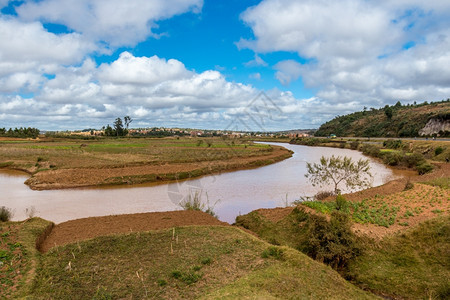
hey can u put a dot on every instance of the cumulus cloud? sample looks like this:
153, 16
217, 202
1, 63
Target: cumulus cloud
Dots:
136, 86
287, 71
357, 48
28, 51
115, 22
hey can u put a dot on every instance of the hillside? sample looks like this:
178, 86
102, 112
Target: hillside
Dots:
209, 262
392, 121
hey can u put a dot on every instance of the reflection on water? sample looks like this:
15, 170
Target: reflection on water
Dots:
232, 193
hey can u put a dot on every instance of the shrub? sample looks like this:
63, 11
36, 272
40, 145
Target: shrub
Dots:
371, 150
424, 168
354, 145
414, 159
392, 158
342, 204
5, 214
331, 242
438, 150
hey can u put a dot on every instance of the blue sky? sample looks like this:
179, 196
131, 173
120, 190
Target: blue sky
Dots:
74, 64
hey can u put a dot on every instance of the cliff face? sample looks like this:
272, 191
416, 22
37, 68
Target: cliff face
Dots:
435, 126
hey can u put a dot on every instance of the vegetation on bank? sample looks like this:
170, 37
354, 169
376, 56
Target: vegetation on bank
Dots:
411, 265
390, 121
210, 262
19, 256
406, 154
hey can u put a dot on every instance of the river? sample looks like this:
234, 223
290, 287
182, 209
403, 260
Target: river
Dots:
230, 194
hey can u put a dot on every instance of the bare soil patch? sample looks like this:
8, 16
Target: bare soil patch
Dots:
88, 228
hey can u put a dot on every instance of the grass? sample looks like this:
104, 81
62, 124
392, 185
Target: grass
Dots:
67, 153
411, 265
18, 256
154, 156
443, 182
393, 209
209, 262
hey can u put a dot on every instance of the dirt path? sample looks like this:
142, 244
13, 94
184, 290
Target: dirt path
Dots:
88, 228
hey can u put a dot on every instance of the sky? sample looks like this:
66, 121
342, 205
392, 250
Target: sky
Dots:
217, 64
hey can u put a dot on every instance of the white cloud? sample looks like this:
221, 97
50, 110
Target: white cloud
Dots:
30, 42
116, 22
355, 47
287, 71
94, 96
257, 61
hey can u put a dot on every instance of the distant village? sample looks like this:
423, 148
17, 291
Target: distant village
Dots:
179, 132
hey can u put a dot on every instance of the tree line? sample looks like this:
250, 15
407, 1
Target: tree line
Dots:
22, 132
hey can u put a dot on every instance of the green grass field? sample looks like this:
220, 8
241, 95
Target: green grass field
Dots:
196, 262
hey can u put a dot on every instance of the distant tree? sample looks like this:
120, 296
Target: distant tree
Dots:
118, 127
340, 170
127, 121
109, 131
388, 112
398, 104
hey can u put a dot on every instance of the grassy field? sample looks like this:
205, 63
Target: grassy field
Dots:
412, 265
210, 262
60, 163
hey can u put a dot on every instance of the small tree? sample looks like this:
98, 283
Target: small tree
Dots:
118, 127
388, 112
340, 170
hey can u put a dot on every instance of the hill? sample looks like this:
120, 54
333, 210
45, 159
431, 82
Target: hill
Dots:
393, 121
210, 262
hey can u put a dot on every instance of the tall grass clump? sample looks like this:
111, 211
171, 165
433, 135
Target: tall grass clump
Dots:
194, 202
5, 214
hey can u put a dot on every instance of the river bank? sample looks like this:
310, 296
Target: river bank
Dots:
66, 164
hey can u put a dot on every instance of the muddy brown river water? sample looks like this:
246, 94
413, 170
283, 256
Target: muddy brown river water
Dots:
230, 194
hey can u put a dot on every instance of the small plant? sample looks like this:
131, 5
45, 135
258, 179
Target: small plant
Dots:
409, 185
403, 224
341, 203
5, 214
206, 261
196, 268
176, 274
274, 252
161, 282
30, 212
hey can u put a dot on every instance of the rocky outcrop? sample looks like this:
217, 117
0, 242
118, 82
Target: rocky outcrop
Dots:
435, 126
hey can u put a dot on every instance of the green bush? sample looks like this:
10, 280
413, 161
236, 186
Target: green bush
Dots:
342, 204
414, 159
371, 150
438, 150
424, 168
393, 158
5, 214
331, 242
